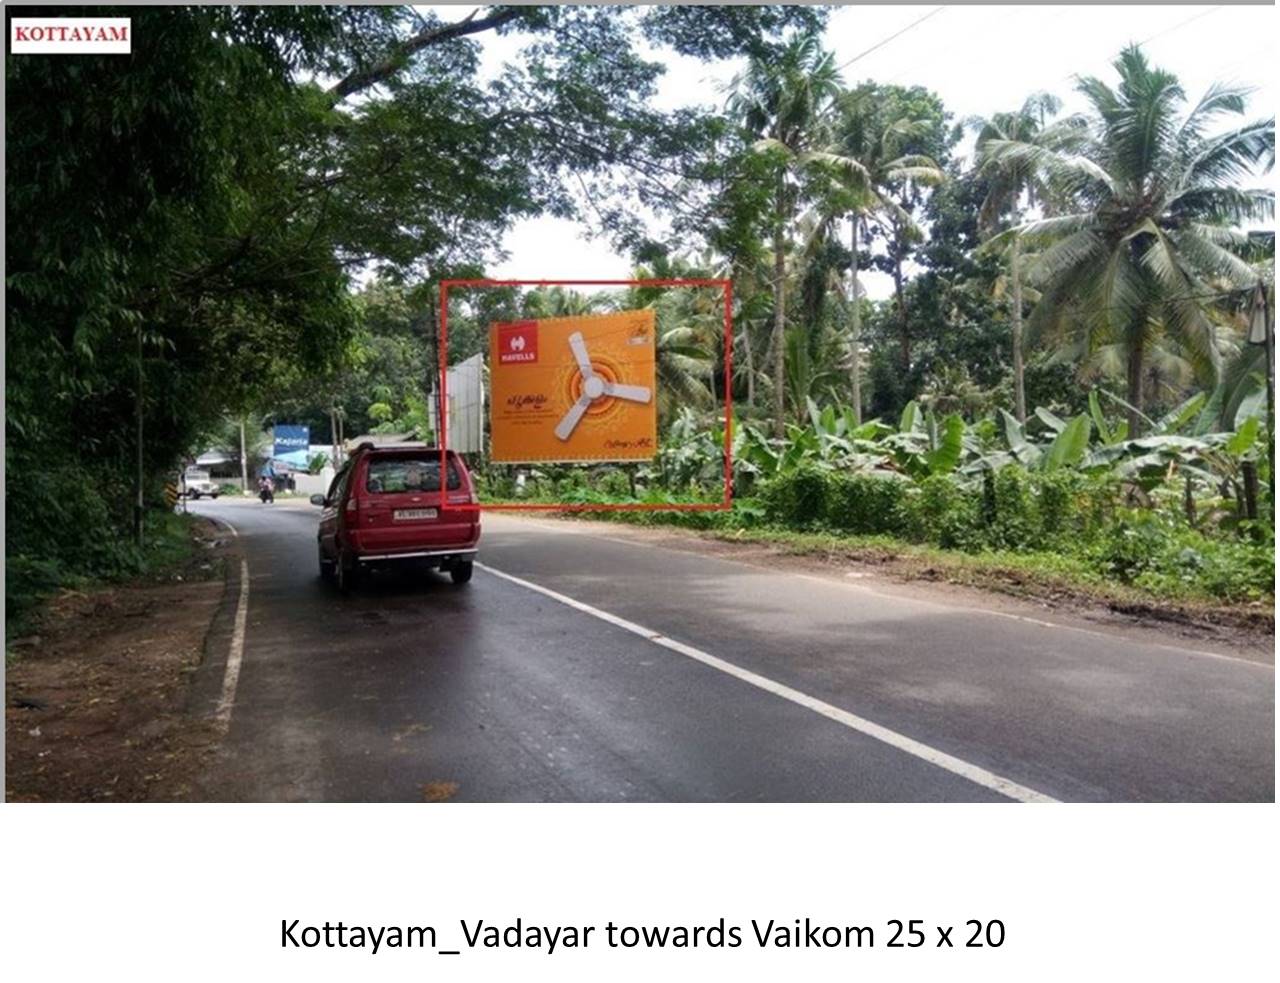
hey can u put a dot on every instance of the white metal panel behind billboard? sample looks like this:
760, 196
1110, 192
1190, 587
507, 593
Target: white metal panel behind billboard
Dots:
465, 411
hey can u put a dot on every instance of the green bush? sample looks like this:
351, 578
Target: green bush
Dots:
944, 514
1057, 494
866, 503
571, 485
615, 483
1010, 517
27, 581
798, 499
1157, 552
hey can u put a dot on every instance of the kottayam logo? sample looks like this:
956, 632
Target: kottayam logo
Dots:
71, 35
518, 342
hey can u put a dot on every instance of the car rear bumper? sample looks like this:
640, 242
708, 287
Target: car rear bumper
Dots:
464, 553
425, 540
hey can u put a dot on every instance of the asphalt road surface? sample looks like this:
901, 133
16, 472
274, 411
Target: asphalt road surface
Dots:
583, 665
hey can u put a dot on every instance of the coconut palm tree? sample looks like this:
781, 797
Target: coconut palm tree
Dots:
689, 325
781, 101
866, 160
1012, 186
557, 301
1156, 214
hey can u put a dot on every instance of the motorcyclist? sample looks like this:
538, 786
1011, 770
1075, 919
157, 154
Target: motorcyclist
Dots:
266, 490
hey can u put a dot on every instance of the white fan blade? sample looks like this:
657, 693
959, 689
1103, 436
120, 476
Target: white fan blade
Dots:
637, 394
580, 354
565, 428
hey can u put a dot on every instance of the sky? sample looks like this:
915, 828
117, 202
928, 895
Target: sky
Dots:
980, 59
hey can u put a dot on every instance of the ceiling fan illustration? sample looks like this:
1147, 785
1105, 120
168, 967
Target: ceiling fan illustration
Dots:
593, 387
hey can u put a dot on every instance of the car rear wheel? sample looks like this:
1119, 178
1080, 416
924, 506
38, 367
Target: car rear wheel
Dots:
326, 566
348, 573
460, 572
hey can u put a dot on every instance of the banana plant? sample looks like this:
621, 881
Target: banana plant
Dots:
1068, 447
1107, 433
923, 445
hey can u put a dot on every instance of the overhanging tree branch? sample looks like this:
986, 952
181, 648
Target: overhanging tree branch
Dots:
426, 38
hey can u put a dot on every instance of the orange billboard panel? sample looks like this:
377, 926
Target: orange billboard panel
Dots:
574, 389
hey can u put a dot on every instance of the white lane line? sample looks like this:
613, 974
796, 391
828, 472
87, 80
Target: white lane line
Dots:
948, 762
231, 677
235, 655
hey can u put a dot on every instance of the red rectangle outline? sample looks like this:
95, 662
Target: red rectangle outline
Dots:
442, 411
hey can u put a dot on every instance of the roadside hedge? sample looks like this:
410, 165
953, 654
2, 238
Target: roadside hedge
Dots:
1022, 511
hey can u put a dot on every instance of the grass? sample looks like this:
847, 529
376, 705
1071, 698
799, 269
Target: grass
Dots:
168, 543
169, 546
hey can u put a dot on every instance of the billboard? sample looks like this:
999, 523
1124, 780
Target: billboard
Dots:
291, 443
573, 389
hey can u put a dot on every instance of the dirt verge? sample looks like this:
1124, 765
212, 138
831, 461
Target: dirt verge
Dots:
95, 702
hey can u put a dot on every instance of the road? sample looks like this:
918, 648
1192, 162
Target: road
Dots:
583, 664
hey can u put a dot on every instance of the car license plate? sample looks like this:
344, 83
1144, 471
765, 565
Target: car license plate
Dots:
400, 514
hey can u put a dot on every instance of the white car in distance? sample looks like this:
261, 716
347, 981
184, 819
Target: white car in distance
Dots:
196, 484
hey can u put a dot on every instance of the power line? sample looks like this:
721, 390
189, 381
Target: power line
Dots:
898, 34
1180, 25
1071, 76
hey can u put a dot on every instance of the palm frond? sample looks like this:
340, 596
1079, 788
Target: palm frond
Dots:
1231, 156
1228, 206
1212, 259
1075, 173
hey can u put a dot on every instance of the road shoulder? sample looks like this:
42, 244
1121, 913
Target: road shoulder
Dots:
98, 698
1243, 632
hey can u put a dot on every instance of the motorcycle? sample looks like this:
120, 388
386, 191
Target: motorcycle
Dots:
266, 492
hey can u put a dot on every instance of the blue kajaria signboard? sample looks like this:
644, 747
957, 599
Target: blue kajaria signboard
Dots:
292, 443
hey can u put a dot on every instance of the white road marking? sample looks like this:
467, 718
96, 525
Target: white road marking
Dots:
940, 759
235, 655
231, 677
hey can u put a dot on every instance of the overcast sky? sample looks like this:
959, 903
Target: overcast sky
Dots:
980, 59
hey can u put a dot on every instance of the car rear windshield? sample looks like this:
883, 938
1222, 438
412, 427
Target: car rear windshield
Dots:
394, 475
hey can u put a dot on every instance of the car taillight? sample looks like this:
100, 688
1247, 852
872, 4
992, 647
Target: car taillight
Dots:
464, 499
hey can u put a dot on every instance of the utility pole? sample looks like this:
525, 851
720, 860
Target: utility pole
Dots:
433, 363
244, 463
855, 324
1262, 332
138, 502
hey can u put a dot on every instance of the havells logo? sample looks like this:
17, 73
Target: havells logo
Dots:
71, 35
518, 342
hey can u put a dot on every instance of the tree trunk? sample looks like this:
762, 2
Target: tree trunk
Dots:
904, 339
779, 312
1134, 395
751, 365
1249, 471
1019, 386
855, 324
138, 502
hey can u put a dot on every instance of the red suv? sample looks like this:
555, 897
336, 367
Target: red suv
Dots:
384, 506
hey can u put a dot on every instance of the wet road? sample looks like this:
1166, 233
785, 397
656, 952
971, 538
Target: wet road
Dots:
582, 665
